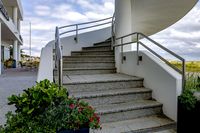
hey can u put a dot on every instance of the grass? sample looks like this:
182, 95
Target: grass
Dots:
191, 66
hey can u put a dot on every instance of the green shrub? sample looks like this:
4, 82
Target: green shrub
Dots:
46, 108
31, 106
187, 98
71, 114
35, 100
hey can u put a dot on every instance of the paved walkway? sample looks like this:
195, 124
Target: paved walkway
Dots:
14, 81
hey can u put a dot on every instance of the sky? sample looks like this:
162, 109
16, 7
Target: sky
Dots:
183, 37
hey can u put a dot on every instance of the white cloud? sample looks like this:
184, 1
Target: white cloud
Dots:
42, 10
45, 18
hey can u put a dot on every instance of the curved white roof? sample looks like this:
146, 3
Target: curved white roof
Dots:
152, 16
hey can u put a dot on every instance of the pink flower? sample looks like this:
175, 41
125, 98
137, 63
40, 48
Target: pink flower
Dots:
71, 106
80, 109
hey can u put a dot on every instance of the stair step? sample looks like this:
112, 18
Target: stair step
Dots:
149, 124
88, 64
100, 82
88, 61
106, 43
81, 71
167, 131
128, 110
95, 98
97, 47
89, 58
95, 52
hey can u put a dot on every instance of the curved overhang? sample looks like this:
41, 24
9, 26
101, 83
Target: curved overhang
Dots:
152, 16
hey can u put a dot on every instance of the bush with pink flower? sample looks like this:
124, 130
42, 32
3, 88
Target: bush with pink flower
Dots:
72, 114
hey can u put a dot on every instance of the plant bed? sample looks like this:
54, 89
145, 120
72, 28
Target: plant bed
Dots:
189, 106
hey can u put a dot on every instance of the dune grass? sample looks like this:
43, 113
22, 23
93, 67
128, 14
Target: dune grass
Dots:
191, 66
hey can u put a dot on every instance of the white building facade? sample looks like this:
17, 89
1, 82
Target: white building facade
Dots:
11, 15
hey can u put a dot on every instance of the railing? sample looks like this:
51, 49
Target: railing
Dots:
113, 31
3, 10
92, 24
58, 58
77, 28
140, 35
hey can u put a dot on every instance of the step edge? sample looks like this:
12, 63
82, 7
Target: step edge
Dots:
96, 95
106, 81
155, 105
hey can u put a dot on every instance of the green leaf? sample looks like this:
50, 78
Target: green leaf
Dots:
30, 111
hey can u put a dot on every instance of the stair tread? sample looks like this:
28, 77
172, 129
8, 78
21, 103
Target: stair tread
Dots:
88, 61
78, 56
136, 125
167, 131
96, 78
90, 68
113, 92
126, 106
97, 46
86, 51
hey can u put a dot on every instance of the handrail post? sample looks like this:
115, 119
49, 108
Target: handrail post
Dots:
183, 75
59, 60
122, 51
112, 31
76, 38
137, 48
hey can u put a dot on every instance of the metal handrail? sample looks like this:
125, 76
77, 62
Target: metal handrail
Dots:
58, 58
85, 23
58, 49
141, 35
113, 30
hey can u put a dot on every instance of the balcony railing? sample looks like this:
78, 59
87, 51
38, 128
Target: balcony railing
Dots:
4, 11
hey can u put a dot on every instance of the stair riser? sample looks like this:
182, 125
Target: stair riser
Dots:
97, 48
86, 72
89, 59
106, 100
92, 53
102, 44
86, 65
132, 114
103, 86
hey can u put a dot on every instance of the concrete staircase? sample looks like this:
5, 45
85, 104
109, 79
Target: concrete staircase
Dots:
123, 103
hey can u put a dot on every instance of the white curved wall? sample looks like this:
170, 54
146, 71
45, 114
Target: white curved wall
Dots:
162, 79
46, 63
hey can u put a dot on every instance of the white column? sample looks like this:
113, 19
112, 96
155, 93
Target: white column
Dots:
123, 20
0, 48
15, 48
19, 53
19, 26
15, 16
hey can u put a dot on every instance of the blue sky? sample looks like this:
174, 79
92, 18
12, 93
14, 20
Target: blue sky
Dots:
182, 37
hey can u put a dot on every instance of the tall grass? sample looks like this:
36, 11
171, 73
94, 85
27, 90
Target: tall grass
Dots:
191, 66
192, 82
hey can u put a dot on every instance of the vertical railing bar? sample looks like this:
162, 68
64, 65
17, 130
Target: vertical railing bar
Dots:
137, 49
59, 60
76, 33
122, 50
183, 75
